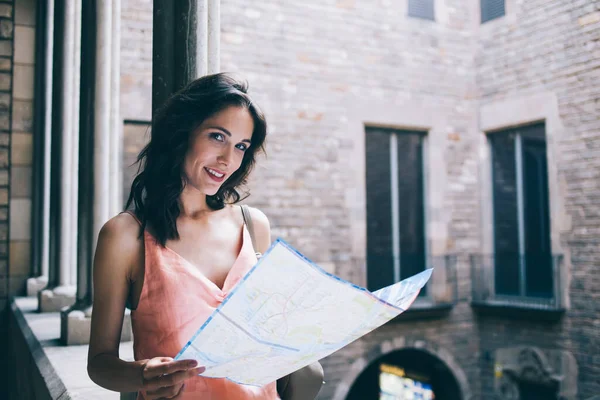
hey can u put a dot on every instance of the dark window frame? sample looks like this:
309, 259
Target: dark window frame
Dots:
387, 277
523, 140
492, 9
422, 9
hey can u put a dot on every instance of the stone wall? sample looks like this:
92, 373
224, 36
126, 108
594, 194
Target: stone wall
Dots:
554, 47
22, 145
7, 21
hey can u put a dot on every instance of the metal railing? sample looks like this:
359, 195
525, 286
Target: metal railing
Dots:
531, 280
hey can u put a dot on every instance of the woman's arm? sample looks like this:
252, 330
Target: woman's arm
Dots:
118, 251
262, 230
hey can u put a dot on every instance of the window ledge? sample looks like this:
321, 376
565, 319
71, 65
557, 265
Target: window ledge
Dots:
425, 309
518, 309
63, 369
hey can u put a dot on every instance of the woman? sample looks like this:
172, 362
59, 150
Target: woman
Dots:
186, 245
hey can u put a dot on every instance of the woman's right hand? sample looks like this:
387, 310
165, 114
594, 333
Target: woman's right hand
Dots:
164, 378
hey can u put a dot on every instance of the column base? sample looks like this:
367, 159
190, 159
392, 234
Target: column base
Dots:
35, 285
75, 327
54, 300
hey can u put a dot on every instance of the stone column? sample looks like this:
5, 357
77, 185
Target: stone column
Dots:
179, 46
214, 36
116, 125
41, 177
74, 170
99, 140
60, 291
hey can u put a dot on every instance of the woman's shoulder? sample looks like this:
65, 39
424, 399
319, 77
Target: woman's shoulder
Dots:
258, 217
261, 228
122, 230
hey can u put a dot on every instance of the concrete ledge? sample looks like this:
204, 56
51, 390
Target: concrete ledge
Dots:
44, 369
35, 285
76, 325
51, 300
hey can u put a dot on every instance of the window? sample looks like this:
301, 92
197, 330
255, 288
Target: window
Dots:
421, 9
522, 259
492, 9
395, 206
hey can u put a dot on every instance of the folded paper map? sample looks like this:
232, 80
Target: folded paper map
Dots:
287, 313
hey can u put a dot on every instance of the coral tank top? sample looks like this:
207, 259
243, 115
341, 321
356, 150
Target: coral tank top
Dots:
176, 300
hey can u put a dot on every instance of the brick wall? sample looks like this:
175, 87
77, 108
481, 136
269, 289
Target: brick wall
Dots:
7, 20
555, 46
21, 146
312, 65
6, 105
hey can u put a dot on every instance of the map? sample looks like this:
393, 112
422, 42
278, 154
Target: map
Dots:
287, 313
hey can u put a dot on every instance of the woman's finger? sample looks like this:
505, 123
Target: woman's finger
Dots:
172, 379
152, 371
165, 392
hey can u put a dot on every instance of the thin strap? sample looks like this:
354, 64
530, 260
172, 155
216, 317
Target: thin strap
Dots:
248, 222
133, 215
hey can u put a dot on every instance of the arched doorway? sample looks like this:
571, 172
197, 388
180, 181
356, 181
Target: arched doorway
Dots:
406, 374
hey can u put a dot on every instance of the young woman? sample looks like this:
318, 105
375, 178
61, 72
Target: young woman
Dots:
183, 248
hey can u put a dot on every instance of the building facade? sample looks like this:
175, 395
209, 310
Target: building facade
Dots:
459, 135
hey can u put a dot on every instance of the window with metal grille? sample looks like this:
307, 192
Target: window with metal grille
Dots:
395, 206
421, 9
492, 9
523, 255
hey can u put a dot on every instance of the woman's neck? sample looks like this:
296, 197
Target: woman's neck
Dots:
193, 204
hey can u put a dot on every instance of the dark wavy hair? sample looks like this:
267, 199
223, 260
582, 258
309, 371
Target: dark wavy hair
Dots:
159, 182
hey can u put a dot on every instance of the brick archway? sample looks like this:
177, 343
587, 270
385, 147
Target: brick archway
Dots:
398, 344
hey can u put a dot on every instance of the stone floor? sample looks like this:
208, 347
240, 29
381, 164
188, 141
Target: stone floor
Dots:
68, 362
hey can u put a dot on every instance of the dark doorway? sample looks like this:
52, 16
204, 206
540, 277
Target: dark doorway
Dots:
419, 369
534, 391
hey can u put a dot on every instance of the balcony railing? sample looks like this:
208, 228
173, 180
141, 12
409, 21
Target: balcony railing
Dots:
527, 281
440, 293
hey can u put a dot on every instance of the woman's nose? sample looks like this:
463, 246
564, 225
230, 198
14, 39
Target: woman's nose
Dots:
225, 156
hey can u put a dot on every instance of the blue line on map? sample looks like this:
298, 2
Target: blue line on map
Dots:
256, 338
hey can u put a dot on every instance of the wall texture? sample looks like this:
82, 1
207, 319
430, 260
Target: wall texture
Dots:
554, 47
7, 21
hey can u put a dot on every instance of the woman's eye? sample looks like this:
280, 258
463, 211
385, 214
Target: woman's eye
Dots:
242, 147
217, 136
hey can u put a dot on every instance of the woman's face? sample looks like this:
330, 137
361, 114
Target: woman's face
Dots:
217, 148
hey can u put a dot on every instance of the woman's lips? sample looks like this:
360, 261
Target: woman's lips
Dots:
215, 174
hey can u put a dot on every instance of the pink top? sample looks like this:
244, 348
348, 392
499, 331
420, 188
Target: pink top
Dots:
176, 300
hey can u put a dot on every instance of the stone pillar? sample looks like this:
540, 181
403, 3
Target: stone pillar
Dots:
99, 141
116, 125
214, 36
74, 170
179, 46
43, 118
60, 291
102, 118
